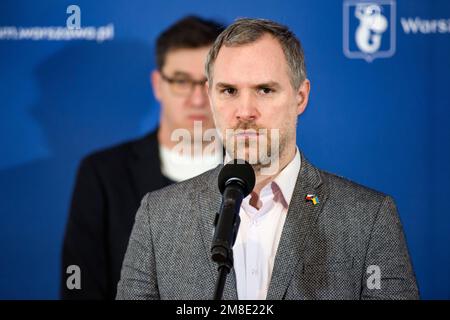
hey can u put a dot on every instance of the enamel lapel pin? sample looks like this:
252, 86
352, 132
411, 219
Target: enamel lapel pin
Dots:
313, 198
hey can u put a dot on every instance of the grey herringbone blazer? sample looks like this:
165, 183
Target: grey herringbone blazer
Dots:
324, 253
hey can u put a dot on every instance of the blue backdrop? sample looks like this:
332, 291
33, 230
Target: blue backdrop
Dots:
380, 119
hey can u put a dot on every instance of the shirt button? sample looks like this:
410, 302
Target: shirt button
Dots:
254, 272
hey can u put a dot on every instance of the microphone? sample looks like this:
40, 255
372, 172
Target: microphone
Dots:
236, 181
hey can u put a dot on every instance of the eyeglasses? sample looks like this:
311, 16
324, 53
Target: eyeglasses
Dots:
182, 85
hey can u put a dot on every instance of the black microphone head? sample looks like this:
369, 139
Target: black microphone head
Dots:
239, 171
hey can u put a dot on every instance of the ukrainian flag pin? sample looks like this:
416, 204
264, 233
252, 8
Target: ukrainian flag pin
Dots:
313, 198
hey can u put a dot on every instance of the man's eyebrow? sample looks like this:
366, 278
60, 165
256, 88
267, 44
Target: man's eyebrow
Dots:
183, 74
224, 85
269, 84
180, 73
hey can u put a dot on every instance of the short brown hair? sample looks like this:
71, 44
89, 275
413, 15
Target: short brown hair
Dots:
245, 31
190, 32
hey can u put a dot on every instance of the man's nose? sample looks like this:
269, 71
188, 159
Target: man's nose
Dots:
247, 108
199, 98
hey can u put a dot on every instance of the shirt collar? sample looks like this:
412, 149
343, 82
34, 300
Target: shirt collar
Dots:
287, 177
282, 186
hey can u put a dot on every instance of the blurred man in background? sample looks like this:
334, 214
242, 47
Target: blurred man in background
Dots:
111, 183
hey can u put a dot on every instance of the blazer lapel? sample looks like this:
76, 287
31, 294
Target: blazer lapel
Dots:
209, 201
301, 216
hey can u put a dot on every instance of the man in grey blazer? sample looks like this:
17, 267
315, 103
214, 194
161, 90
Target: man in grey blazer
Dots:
304, 233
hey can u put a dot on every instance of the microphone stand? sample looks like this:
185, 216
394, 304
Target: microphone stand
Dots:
224, 270
226, 265
222, 250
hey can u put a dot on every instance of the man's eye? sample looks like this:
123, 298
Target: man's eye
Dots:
265, 90
229, 91
181, 82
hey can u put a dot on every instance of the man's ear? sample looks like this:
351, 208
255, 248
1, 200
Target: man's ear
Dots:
303, 96
155, 79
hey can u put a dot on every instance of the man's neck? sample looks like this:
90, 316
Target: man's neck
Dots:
263, 180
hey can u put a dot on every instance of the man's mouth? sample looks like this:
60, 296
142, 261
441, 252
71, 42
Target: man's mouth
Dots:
197, 117
250, 134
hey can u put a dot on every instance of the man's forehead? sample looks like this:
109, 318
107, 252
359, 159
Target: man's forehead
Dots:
188, 60
267, 45
180, 52
257, 62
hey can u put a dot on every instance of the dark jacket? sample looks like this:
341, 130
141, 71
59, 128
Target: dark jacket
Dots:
109, 187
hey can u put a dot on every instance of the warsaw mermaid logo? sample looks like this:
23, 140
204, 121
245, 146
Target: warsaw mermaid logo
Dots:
369, 29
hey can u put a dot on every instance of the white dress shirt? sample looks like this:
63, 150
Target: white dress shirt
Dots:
260, 232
